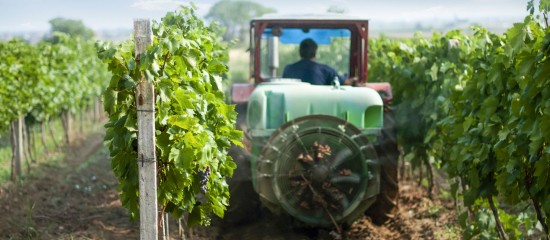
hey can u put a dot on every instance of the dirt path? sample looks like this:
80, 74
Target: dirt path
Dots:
78, 199
418, 217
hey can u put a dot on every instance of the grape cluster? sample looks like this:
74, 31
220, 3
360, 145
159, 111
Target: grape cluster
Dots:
203, 178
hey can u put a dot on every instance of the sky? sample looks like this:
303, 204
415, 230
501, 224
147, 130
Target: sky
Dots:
33, 15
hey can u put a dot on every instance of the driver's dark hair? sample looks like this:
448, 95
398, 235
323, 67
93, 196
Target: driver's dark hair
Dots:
308, 48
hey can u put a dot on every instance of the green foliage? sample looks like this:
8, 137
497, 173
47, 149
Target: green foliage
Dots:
19, 75
40, 81
69, 60
194, 126
478, 107
503, 118
235, 16
482, 226
423, 73
520, 224
73, 28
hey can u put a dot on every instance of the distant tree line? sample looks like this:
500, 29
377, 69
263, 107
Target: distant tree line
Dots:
235, 16
72, 27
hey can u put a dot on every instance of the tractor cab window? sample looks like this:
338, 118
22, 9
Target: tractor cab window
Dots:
280, 47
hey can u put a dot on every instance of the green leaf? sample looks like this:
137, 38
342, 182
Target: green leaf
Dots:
217, 83
148, 76
526, 65
131, 122
186, 158
467, 123
131, 64
190, 62
433, 72
542, 71
128, 82
228, 168
542, 171
218, 209
167, 44
517, 35
541, 168
174, 154
155, 68
516, 105
182, 121
109, 100
489, 106
195, 216
536, 143
217, 67
184, 99
192, 140
163, 144
145, 61
503, 134
236, 137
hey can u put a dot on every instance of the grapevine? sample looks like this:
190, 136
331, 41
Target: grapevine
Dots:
19, 75
39, 82
194, 126
478, 109
422, 73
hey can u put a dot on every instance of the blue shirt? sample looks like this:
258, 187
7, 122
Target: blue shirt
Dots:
311, 72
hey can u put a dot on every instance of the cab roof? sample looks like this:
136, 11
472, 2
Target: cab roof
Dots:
315, 17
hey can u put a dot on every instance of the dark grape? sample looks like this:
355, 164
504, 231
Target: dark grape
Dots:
203, 178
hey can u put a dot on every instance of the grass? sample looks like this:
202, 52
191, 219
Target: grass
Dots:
29, 223
5, 158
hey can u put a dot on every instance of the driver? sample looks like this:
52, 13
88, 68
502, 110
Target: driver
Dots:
308, 70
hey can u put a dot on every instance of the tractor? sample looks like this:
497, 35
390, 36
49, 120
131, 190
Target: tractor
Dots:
320, 154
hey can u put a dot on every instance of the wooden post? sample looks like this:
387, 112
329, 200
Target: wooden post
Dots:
52, 135
30, 146
43, 136
17, 146
165, 227
66, 122
146, 139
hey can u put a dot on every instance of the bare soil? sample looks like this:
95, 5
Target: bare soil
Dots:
78, 199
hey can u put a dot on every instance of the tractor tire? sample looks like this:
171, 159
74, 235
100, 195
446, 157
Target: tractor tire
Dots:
386, 203
244, 202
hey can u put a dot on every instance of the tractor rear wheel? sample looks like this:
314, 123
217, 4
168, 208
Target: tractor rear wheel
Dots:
388, 153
